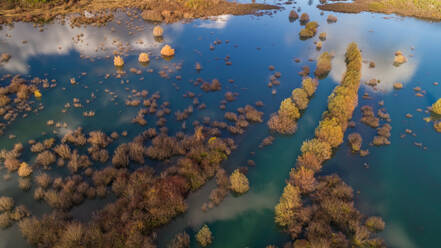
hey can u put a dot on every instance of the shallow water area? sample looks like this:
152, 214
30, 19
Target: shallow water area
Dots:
401, 183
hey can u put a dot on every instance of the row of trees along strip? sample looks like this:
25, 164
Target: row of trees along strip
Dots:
319, 211
290, 110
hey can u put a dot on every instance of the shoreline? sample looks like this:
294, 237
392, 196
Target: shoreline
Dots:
101, 11
405, 9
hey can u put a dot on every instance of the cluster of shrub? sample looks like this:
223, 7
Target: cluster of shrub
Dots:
309, 31
320, 212
324, 65
15, 99
285, 120
145, 200
383, 132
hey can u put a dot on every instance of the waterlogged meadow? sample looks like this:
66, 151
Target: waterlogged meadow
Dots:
290, 128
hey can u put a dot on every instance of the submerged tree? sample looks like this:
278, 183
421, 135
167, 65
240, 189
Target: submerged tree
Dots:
239, 182
204, 236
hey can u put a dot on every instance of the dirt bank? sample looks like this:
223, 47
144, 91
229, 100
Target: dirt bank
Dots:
152, 10
423, 9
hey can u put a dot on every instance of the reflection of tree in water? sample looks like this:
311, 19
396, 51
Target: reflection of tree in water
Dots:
62, 39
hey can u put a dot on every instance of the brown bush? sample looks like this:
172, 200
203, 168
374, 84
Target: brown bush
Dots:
76, 162
368, 117
303, 178
324, 65
43, 179
380, 140
24, 184
45, 158
204, 236
300, 97
5, 220
309, 85
121, 156
282, 124
164, 147
98, 138
309, 160
384, 130
230, 116
6, 203
63, 151
25, 170
375, 224
37, 147
181, 240
239, 182
288, 108
48, 143
321, 150
4, 100
75, 137
304, 18
136, 152
252, 115
289, 202
57, 200
38, 193
12, 164
330, 131
355, 140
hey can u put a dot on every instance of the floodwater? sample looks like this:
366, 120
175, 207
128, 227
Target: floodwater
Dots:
402, 183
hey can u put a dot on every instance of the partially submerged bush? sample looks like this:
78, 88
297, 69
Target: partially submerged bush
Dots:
25, 170
309, 160
289, 109
98, 138
63, 150
309, 31
204, 236
136, 152
330, 131
118, 61
181, 240
309, 85
239, 182
24, 184
12, 164
300, 97
5, 220
436, 107
167, 51
143, 58
6, 203
43, 180
355, 140
303, 178
324, 65
321, 150
375, 224
120, 156
45, 158
37, 147
288, 204
304, 18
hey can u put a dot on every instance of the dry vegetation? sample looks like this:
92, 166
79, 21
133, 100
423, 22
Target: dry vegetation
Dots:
424, 9
285, 120
153, 10
320, 212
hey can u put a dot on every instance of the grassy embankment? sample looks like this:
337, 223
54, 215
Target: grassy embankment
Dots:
424, 9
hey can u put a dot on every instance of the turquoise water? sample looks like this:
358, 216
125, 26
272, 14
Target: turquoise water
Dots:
402, 183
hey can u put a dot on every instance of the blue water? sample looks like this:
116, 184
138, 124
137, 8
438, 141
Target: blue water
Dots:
402, 183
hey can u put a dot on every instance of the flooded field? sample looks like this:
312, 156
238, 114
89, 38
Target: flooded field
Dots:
137, 153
